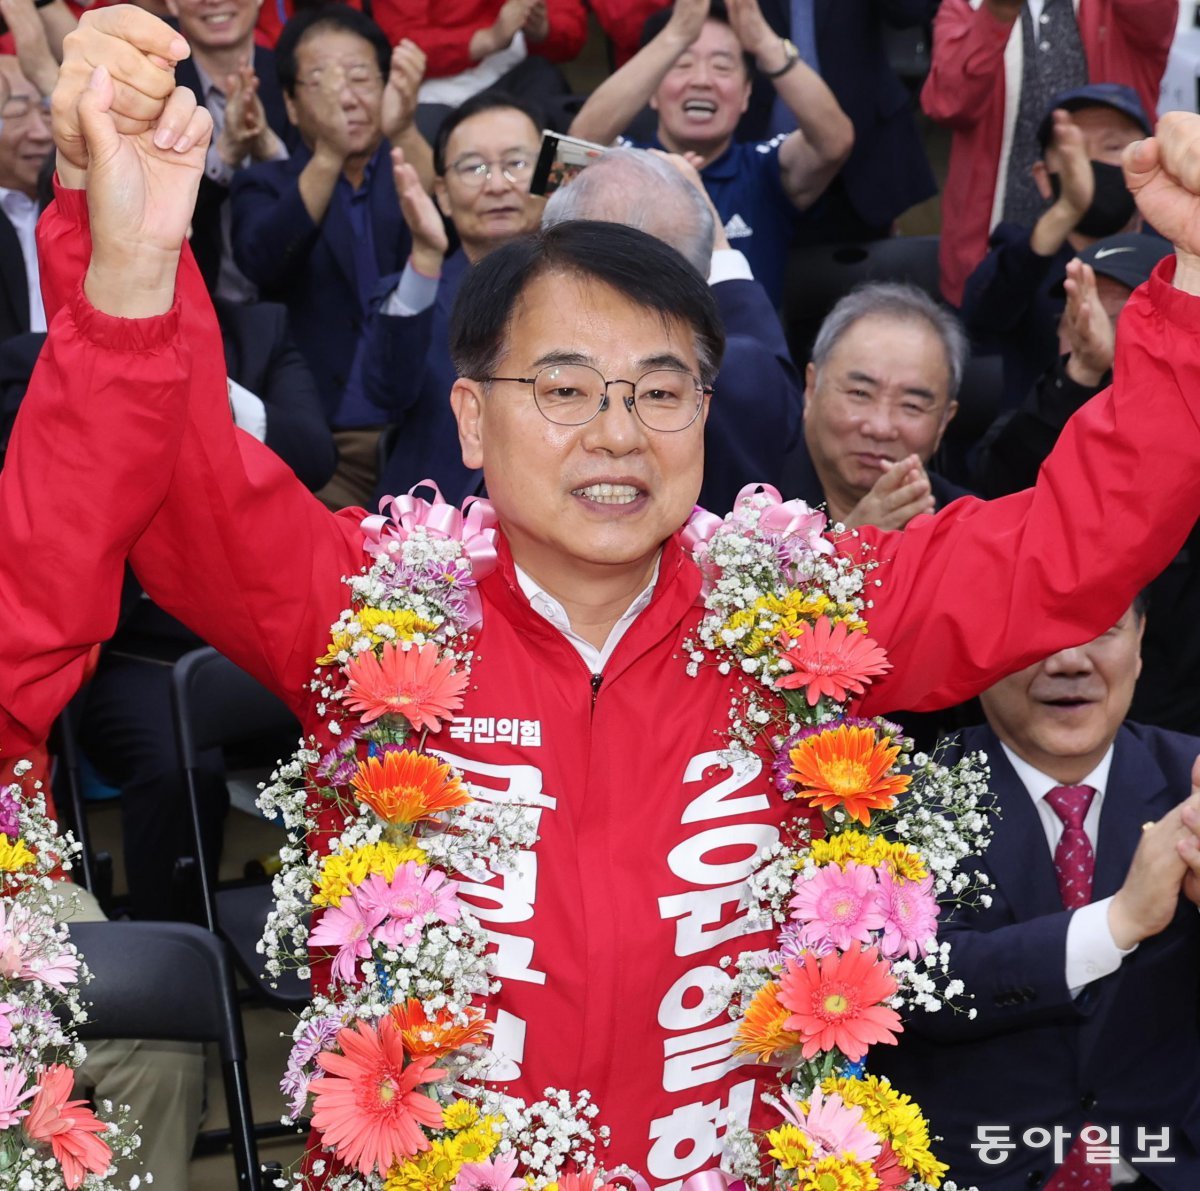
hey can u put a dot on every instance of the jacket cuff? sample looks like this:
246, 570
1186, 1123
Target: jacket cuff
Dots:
123, 334
71, 203
1178, 308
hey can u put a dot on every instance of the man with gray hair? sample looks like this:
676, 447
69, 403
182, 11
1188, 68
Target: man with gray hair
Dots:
880, 391
755, 416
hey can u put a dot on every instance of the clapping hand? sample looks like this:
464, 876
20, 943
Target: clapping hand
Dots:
403, 83
901, 493
1089, 332
429, 241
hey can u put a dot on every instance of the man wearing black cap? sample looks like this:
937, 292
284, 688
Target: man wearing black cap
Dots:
1013, 300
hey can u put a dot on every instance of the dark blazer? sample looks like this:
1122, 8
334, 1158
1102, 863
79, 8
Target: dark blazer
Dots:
887, 171
1126, 1053
757, 403
206, 222
261, 356
407, 370
14, 284
308, 266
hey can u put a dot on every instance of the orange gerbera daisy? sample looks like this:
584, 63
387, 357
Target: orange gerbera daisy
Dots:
68, 1126
408, 682
847, 766
437, 1035
761, 1031
836, 1001
366, 1106
407, 786
830, 660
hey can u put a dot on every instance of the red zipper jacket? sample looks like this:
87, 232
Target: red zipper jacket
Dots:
611, 932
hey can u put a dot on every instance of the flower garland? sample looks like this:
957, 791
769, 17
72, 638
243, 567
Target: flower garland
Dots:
391, 1060
47, 1140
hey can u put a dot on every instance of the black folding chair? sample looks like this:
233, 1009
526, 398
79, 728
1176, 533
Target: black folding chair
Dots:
218, 705
172, 980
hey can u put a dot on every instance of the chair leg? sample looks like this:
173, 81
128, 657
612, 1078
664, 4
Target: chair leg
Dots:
241, 1121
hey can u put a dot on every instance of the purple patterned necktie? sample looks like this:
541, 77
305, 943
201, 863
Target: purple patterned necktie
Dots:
1074, 860
1074, 864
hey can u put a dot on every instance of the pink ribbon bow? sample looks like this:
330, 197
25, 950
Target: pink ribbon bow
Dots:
474, 526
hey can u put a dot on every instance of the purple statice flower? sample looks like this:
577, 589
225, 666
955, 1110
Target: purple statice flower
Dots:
339, 765
10, 823
316, 1036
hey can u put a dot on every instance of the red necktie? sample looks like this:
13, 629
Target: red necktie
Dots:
1075, 864
1074, 860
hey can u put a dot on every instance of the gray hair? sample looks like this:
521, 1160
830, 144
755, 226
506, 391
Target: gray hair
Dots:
640, 190
903, 302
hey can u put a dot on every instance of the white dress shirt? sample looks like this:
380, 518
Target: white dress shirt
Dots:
1091, 949
22, 213
547, 607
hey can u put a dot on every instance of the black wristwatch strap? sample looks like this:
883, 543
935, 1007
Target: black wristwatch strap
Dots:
793, 56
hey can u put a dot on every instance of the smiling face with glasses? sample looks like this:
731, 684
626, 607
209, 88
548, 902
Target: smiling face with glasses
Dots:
589, 473
25, 137
485, 189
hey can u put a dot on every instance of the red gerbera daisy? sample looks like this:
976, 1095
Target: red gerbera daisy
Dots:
366, 1107
848, 767
408, 682
836, 1001
69, 1126
407, 786
831, 660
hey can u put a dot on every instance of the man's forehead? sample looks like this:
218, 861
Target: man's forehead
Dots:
477, 133
335, 44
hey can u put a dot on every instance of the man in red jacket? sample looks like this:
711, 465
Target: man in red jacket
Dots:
611, 931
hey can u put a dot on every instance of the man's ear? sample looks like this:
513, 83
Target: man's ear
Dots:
466, 399
289, 104
951, 410
810, 385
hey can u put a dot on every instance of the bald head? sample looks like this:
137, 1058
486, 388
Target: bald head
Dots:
25, 138
640, 190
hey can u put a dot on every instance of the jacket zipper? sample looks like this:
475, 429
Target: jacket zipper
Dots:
597, 679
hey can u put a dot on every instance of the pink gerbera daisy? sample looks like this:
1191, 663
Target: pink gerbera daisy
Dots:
348, 927
910, 914
367, 1106
14, 1091
835, 1128
415, 895
829, 659
838, 906
408, 682
69, 1126
499, 1175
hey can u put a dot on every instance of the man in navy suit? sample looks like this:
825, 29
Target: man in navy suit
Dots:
1085, 968
236, 81
319, 230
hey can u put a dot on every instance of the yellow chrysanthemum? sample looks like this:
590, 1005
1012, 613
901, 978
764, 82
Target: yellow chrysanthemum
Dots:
14, 856
872, 851
400, 624
477, 1143
462, 1114
792, 1148
434, 1170
838, 1174
895, 1116
341, 871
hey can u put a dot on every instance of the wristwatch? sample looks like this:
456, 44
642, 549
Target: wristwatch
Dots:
791, 56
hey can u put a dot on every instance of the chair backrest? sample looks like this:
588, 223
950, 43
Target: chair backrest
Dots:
172, 980
218, 705
160, 980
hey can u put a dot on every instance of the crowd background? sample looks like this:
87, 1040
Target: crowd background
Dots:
959, 160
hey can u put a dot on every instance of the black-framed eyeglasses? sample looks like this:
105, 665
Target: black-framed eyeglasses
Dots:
665, 399
474, 171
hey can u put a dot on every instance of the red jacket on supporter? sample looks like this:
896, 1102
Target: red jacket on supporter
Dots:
623, 20
974, 86
611, 933
443, 29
